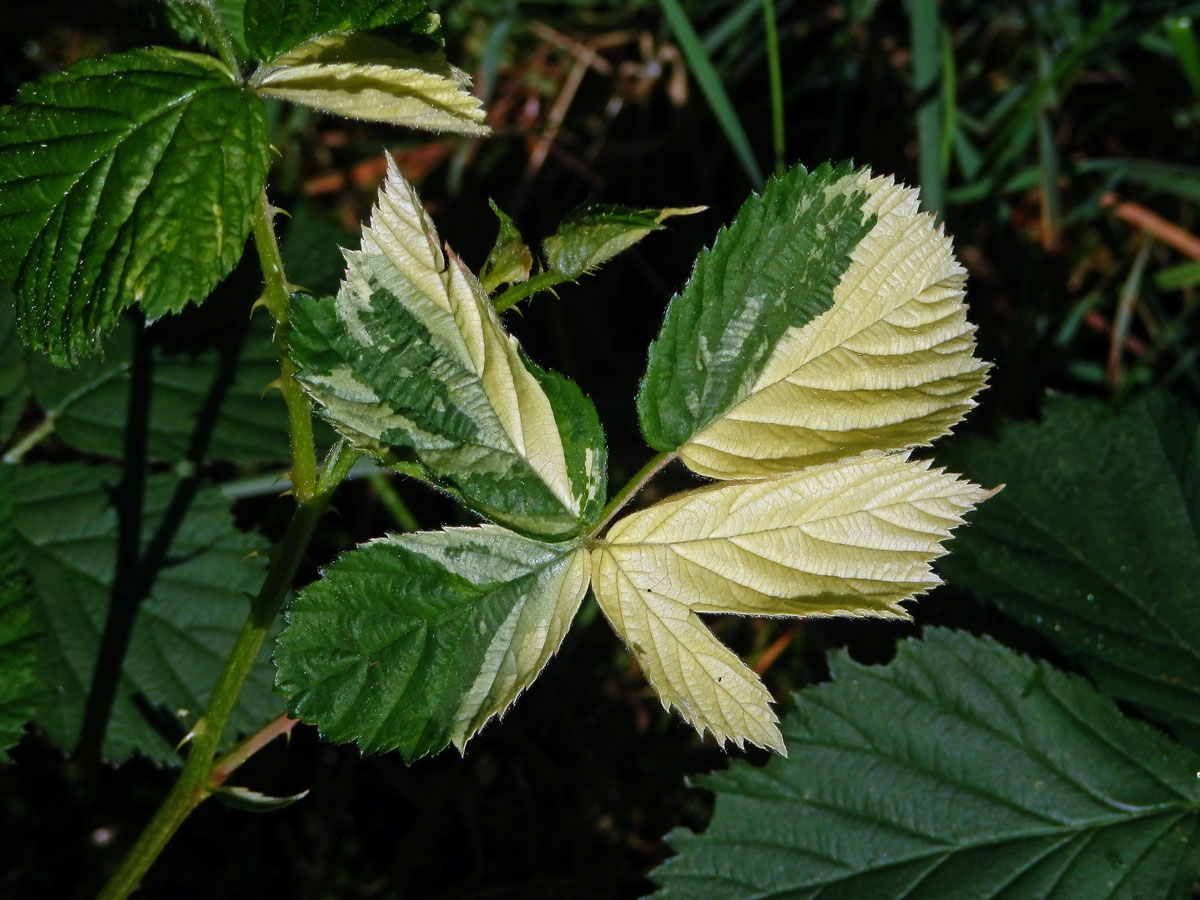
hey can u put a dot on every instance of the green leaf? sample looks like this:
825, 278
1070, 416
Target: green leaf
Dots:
92, 218
825, 321
14, 368
1179, 276
415, 641
959, 770
593, 235
411, 363
1094, 542
246, 800
90, 404
510, 259
21, 690
853, 538
363, 77
68, 527
273, 26
191, 23
312, 249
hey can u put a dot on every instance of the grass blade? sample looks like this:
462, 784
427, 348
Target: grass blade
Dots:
925, 34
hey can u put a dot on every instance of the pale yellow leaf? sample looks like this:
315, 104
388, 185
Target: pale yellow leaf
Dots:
855, 537
364, 77
687, 666
891, 364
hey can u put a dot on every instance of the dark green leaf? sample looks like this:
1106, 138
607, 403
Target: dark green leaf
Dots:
1094, 542
415, 641
14, 368
593, 235
92, 217
273, 26
222, 390
312, 249
68, 528
771, 269
191, 24
20, 687
510, 259
960, 770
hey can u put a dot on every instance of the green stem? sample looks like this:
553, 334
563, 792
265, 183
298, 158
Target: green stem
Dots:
640, 479
36, 435
776, 76
543, 281
219, 34
392, 500
276, 298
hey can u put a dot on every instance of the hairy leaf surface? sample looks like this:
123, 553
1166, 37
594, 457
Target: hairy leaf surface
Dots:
191, 24
364, 77
593, 235
1106, 567
960, 770
92, 219
411, 362
14, 368
271, 27
68, 528
510, 258
849, 538
826, 320
414, 641
21, 689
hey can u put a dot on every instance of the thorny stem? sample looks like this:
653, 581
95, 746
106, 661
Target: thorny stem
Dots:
640, 479
227, 764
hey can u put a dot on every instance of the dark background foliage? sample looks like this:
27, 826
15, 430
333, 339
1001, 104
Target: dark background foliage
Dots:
570, 795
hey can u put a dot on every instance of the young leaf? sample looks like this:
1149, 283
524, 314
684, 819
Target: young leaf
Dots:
364, 77
20, 687
412, 363
958, 770
826, 320
414, 641
1106, 567
849, 538
273, 26
510, 259
68, 527
593, 235
91, 216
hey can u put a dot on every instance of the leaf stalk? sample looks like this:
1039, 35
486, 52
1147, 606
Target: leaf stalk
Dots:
639, 480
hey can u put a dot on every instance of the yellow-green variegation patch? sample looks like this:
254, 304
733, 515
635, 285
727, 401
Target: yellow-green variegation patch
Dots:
365, 77
411, 361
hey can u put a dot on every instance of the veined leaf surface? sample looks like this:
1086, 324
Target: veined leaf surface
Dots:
826, 320
593, 235
92, 219
364, 77
411, 362
850, 538
21, 688
414, 641
959, 770
272, 27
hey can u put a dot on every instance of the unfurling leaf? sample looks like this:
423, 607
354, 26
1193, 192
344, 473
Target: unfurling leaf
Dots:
958, 770
593, 235
828, 319
412, 642
364, 77
824, 331
92, 219
411, 362
510, 259
847, 538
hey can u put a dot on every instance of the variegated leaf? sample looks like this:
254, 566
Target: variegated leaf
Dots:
411, 362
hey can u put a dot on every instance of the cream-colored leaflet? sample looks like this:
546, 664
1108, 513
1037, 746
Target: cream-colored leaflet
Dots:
854, 538
891, 364
429, 366
523, 644
687, 666
364, 77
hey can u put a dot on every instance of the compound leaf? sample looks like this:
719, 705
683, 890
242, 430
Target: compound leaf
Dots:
848, 538
826, 320
364, 77
1106, 567
593, 235
414, 641
411, 362
67, 526
272, 26
959, 770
